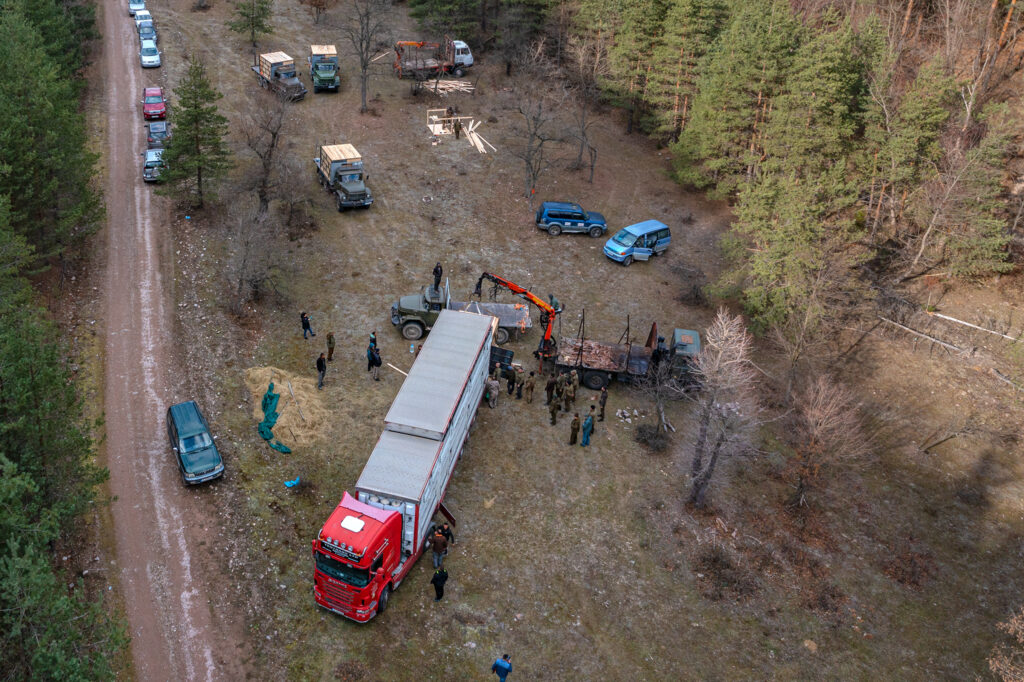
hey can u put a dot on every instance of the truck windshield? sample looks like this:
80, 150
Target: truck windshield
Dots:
624, 238
356, 577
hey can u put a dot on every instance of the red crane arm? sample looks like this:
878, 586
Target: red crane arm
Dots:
547, 312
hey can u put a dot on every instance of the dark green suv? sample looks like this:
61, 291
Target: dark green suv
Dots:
192, 443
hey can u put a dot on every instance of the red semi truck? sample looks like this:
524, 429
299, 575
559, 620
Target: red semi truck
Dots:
370, 541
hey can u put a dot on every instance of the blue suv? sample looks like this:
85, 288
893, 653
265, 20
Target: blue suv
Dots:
557, 217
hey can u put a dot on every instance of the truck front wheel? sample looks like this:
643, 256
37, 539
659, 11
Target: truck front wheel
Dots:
412, 330
595, 380
382, 602
501, 336
459, 72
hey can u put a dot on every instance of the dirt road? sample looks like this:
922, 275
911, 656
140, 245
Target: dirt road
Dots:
158, 523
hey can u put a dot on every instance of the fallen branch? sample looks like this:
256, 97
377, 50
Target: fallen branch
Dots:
299, 407
1005, 379
973, 326
905, 328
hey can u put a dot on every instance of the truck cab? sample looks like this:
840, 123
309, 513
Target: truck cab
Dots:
683, 351
276, 70
462, 59
417, 313
355, 554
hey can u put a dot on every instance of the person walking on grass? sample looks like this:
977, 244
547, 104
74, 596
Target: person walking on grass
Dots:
330, 346
553, 411
588, 428
574, 428
321, 370
438, 581
376, 362
306, 326
502, 667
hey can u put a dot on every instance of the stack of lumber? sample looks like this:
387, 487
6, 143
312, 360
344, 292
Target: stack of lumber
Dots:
476, 139
444, 87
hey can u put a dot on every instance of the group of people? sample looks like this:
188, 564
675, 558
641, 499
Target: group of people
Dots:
373, 361
440, 538
561, 389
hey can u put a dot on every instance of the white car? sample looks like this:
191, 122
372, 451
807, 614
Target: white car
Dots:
142, 15
149, 56
135, 5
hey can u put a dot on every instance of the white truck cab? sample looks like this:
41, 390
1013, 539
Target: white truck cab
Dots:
463, 55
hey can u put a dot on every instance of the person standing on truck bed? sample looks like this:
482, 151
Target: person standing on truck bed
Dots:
437, 277
306, 328
574, 428
438, 547
438, 581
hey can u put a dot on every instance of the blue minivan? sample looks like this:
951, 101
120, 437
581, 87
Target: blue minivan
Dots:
638, 242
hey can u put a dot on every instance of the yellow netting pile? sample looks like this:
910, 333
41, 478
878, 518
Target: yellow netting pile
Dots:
291, 429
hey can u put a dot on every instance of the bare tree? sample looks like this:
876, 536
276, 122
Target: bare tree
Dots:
366, 24
263, 129
318, 7
727, 407
536, 131
828, 432
587, 62
253, 260
1007, 660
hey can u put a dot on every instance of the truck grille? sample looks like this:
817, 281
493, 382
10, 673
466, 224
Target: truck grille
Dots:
337, 596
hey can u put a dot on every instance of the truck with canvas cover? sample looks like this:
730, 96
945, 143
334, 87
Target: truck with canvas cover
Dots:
339, 167
323, 67
598, 361
372, 539
423, 60
417, 313
276, 71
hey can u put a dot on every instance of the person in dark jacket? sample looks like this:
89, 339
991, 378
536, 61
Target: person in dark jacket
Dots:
306, 328
502, 667
376, 362
321, 369
330, 346
574, 428
438, 581
438, 547
437, 277
446, 531
549, 389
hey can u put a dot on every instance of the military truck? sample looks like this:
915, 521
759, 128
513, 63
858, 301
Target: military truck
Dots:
276, 71
323, 67
339, 167
414, 315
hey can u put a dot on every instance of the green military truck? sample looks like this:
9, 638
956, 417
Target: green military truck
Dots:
276, 71
414, 315
323, 67
339, 167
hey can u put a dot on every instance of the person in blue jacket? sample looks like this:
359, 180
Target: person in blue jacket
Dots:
502, 667
588, 427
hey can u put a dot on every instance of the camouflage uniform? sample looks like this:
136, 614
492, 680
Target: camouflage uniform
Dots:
520, 380
528, 385
553, 410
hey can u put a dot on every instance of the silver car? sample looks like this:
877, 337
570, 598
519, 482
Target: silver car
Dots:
134, 6
149, 56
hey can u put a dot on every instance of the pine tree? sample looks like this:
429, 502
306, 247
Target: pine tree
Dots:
739, 76
196, 154
634, 25
689, 29
252, 18
455, 18
48, 171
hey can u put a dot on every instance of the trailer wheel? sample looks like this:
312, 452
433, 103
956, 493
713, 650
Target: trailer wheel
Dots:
595, 380
382, 602
501, 336
412, 330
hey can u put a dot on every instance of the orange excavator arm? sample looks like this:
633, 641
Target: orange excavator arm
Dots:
546, 349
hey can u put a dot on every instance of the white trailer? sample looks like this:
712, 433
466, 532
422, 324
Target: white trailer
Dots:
427, 426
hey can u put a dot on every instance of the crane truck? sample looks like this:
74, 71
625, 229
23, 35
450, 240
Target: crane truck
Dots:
372, 539
546, 348
416, 314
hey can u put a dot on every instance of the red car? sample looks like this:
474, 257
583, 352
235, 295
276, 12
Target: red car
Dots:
153, 105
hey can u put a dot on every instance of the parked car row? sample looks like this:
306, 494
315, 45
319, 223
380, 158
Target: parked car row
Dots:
149, 54
635, 242
154, 110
